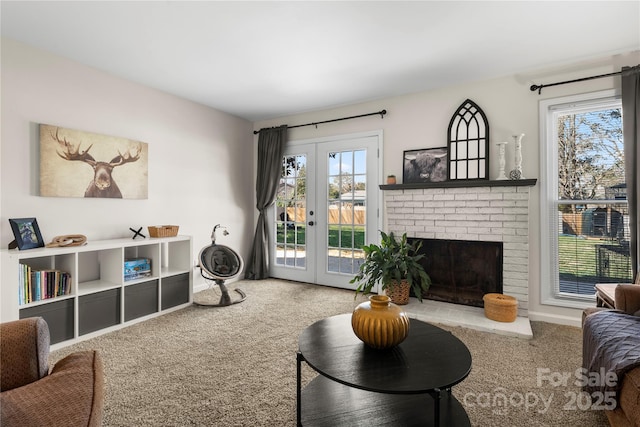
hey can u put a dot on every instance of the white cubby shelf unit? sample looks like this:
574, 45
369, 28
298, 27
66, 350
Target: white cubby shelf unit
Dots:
100, 299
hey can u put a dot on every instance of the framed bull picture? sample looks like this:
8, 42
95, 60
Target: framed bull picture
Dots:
425, 165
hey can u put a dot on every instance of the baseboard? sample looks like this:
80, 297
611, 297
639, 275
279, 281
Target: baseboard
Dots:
203, 285
555, 318
200, 287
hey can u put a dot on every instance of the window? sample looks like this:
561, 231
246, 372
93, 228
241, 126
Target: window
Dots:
584, 214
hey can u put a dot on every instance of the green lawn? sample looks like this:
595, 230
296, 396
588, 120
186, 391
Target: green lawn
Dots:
578, 258
339, 237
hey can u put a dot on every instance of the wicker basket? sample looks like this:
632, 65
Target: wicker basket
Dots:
163, 230
399, 292
500, 307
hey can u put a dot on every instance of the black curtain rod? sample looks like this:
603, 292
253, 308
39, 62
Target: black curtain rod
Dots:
533, 88
381, 112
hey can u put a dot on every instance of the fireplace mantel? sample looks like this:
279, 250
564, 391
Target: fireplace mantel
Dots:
462, 183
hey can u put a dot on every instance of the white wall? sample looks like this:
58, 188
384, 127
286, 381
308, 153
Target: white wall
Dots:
420, 120
198, 156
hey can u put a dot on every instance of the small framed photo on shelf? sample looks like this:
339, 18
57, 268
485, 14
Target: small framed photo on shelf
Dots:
425, 165
26, 232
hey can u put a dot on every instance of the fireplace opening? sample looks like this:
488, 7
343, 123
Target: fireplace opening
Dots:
461, 271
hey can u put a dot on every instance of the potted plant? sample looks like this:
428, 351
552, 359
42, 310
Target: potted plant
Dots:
391, 179
395, 265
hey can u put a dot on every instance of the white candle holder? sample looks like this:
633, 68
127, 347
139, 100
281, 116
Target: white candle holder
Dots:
501, 151
516, 173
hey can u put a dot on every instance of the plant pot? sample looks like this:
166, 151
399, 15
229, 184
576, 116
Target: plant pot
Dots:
399, 292
379, 323
391, 179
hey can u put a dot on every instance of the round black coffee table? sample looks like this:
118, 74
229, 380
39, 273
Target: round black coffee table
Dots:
361, 386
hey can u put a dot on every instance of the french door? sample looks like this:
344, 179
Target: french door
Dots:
326, 208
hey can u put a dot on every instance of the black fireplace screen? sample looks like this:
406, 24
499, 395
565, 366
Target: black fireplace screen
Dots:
462, 271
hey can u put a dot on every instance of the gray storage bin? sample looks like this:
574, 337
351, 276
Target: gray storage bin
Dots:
175, 290
98, 311
140, 299
58, 315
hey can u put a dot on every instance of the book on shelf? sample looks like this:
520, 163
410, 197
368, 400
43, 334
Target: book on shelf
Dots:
38, 285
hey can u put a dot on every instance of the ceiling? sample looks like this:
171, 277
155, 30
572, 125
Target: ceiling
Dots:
265, 59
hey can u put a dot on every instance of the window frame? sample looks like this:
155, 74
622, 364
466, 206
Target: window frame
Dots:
549, 272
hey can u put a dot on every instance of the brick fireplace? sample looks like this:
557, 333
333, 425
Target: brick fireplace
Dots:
497, 212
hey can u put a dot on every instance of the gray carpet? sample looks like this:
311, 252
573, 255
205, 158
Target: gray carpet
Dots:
236, 366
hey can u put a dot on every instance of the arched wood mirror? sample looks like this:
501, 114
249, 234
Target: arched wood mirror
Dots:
468, 143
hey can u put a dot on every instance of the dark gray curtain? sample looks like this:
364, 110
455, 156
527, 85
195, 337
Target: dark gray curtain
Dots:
631, 132
271, 143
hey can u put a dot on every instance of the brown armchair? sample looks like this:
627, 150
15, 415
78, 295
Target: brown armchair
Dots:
611, 341
628, 299
72, 394
624, 297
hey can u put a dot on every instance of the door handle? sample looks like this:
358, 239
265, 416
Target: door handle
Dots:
311, 223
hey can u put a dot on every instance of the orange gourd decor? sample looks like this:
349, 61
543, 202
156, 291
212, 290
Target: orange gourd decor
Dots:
379, 323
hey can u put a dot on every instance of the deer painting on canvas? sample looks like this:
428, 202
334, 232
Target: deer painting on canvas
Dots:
82, 164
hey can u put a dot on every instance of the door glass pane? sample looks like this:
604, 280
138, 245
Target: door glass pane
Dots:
360, 162
346, 163
290, 206
346, 210
334, 164
280, 235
